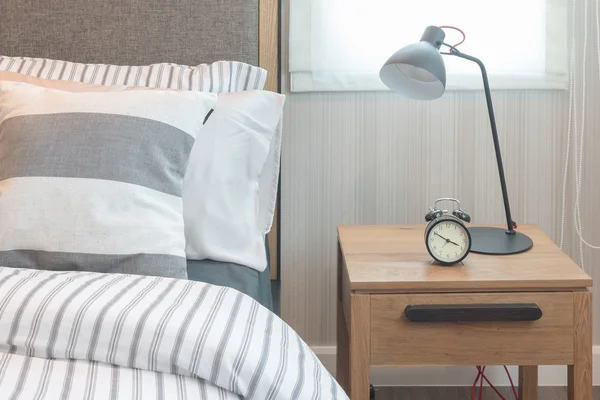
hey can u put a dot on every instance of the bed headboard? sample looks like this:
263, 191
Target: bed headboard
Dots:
139, 32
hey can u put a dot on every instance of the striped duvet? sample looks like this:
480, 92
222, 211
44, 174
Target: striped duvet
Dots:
80, 335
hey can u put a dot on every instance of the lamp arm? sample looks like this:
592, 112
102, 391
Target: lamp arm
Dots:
488, 96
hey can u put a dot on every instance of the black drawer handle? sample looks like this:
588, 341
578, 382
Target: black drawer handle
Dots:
473, 312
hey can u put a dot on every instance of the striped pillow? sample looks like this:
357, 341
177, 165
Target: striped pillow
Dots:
218, 77
221, 76
93, 181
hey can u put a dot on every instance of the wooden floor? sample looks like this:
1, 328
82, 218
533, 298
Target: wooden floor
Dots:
464, 393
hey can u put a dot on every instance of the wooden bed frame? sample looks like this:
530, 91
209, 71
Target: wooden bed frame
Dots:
269, 59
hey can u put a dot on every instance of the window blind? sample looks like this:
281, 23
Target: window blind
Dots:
340, 45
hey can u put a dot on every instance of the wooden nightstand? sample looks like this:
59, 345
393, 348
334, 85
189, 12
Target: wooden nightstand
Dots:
384, 269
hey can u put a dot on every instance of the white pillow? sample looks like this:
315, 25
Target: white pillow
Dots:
93, 181
220, 76
221, 197
221, 185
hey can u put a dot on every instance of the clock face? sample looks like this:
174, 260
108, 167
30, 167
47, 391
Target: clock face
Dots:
448, 241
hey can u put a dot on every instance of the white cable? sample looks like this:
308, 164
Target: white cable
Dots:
578, 224
576, 126
579, 155
570, 122
576, 165
598, 30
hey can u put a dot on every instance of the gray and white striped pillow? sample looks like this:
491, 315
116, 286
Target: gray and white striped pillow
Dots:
218, 77
93, 181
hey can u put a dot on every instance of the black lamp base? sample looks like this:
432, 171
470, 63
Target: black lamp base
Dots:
495, 241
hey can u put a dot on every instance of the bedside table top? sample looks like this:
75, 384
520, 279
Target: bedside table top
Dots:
393, 258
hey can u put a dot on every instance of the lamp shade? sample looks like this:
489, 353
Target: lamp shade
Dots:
417, 70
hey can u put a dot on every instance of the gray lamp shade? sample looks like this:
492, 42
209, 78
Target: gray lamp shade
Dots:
417, 70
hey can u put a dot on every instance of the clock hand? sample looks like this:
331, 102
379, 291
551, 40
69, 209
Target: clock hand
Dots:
456, 244
441, 236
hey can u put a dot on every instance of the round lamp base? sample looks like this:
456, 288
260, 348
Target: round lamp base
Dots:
495, 241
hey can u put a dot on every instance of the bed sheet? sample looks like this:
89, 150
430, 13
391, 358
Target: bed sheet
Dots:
239, 277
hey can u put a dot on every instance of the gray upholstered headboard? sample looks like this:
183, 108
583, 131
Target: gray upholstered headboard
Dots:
140, 32
131, 32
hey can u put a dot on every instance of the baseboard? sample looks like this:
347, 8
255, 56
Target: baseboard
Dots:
454, 376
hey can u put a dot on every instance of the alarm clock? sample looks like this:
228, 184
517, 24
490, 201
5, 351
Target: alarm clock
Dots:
447, 238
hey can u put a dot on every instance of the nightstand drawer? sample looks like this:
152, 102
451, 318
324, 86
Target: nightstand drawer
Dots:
462, 340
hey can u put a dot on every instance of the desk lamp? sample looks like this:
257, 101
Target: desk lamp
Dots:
418, 71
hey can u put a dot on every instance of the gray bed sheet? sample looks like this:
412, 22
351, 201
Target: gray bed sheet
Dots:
247, 280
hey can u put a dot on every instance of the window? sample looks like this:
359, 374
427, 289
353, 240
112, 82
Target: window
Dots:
339, 45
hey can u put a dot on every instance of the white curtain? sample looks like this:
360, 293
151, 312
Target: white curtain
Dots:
339, 45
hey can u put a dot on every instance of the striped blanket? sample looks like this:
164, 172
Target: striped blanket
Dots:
80, 335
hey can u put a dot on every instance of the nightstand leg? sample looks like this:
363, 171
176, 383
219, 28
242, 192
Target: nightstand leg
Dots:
343, 335
360, 347
580, 373
343, 350
528, 382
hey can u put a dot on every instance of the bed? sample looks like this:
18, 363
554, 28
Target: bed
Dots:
110, 334
149, 32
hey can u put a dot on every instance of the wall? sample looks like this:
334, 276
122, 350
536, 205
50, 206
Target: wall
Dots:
379, 158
